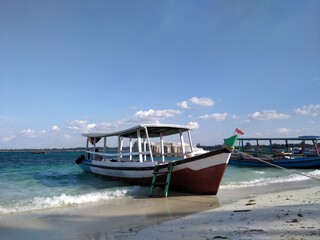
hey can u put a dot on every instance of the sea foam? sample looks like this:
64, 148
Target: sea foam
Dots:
65, 200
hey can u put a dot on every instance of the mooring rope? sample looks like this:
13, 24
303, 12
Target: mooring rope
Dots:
277, 166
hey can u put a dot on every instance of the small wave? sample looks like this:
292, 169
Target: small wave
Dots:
63, 200
267, 181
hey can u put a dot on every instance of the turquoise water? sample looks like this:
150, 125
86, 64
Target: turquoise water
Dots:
41, 181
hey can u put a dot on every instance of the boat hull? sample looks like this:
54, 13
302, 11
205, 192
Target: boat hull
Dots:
199, 174
303, 163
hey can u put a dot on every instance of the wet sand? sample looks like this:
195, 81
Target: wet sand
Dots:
105, 220
282, 211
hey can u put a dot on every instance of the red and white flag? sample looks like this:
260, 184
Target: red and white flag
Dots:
238, 131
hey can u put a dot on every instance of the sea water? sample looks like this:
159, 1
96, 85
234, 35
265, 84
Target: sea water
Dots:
30, 182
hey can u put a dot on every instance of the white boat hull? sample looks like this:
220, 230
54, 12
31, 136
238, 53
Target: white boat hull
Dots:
199, 174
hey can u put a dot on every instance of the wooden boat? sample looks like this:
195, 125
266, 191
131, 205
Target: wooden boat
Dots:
300, 152
136, 158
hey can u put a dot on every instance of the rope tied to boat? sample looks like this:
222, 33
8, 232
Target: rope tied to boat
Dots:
277, 166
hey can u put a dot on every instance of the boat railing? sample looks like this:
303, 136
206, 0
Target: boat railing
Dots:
256, 152
175, 154
117, 154
268, 151
275, 154
130, 155
114, 155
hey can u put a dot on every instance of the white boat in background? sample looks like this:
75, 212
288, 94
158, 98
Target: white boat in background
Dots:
134, 161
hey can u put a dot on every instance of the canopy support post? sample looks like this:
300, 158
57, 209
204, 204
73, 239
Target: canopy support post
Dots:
139, 145
162, 147
190, 141
149, 143
182, 144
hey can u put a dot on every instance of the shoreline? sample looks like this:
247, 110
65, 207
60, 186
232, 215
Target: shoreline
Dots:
233, 211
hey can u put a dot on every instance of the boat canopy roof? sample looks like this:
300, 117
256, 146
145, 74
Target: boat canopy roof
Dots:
300, 138
153, 130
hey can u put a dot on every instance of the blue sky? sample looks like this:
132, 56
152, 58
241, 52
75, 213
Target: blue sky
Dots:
68, 67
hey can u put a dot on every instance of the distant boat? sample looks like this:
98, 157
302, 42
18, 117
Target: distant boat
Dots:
300, 152
138, 164
39, 152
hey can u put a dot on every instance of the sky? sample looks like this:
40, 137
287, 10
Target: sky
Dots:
71, 67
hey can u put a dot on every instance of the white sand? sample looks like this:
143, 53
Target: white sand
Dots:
232, 214
293, 215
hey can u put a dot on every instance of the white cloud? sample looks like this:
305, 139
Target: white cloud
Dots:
193, 125
29, 133
203, 102
156, 114
214, 116
183, 105
80, 125
91, 126
195, 101
311, 110
77, 124
267, 115
55, 128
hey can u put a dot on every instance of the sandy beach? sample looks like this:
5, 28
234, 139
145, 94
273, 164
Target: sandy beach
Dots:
286, 211
291, 215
